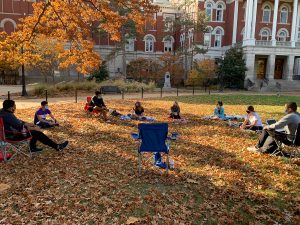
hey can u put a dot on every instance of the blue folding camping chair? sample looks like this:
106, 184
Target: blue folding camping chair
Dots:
153, 138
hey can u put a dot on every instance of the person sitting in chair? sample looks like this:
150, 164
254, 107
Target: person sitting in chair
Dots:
175, 111
252, 121
289, 122
98, 104
13, 125
40, 117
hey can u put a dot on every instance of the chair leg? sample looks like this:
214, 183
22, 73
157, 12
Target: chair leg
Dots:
167, 169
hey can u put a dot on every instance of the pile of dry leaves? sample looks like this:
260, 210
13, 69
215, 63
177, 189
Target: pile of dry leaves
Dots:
215, 181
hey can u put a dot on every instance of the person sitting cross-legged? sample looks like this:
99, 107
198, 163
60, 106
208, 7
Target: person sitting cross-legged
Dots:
175, 111
40, 117
289, 122
98, 104
12, 124
252, 121
219, 112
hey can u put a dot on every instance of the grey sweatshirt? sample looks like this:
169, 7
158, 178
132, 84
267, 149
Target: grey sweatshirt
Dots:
289, 122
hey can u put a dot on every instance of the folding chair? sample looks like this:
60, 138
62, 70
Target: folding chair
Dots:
280, 145
18, 146
153, 138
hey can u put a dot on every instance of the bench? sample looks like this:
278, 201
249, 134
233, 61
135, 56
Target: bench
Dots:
110, 89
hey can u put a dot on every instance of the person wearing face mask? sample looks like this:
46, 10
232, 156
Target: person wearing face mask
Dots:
12, 125
252, 121
289, 123
40, 117
98, 104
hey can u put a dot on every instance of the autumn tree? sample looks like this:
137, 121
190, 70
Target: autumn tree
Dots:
203, 73
70, 23
191, 23
171, 63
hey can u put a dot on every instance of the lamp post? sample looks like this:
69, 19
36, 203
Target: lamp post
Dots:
24, 92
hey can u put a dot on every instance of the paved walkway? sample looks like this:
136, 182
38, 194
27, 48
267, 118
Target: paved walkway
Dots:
34, 102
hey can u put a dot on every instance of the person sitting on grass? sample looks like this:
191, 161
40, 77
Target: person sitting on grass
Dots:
40, 117
138, 111
175, 111
98, 104
252, 121
289, 122
12, 125
219, 113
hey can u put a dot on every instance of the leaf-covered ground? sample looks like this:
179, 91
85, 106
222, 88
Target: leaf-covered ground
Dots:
215, 181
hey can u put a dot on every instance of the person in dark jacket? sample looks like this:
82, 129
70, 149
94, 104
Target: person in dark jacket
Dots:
138, 111
98, 104
12, 125
175, 111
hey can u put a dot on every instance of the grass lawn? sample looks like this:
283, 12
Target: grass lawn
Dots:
215, 181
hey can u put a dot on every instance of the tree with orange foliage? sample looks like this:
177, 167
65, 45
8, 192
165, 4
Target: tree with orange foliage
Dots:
70, 23
204, 72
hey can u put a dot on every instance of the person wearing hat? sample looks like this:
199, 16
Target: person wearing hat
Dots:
252, 121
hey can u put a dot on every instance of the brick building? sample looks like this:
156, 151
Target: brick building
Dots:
267, 30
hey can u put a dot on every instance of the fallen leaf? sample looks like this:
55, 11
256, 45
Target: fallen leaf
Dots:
4, 187
191, 181
132, 220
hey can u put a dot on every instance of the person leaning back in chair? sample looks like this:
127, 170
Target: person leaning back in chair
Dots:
289, 122
40, 117
98, 104
14, 127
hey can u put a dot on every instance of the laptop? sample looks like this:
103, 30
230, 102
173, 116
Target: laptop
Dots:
272, 121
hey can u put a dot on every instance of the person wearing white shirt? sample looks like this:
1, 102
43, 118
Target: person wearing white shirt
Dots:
253, 121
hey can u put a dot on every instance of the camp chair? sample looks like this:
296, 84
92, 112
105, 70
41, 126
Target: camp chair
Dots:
19, 147
153, 138
87, 106
280, 146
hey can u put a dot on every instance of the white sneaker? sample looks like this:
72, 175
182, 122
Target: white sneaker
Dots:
252, 149
108, 121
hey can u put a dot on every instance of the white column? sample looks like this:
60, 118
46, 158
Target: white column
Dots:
294, 23
297, 24
249, 19
254, 19
290, 67
235, 19
274, 27
271, 67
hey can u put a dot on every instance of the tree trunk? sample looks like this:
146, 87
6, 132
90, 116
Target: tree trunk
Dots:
24, 92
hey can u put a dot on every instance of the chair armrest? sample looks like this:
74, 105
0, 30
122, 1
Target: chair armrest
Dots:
135, 136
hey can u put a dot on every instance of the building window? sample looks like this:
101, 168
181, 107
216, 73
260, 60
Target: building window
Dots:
264, 35
218, 38
284, 15
168, 24
190, 37
207, 38
208, 11
182, 40
168, 44
149, 43
282, 35
129, 45
219, 16
266, 14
